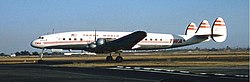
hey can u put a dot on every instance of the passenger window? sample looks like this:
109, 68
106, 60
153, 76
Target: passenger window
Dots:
75, 39
63, 38
69, 38
81, 39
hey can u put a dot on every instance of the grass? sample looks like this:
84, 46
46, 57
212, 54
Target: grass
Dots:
195, 62
204, 59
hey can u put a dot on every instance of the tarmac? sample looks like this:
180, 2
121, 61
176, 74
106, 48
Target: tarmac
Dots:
49, 73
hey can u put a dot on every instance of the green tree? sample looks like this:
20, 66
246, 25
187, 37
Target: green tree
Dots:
17, 53
35, 53
197, 48
2, 54
25, 52
228, 48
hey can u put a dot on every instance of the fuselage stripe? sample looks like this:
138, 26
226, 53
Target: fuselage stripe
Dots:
65, 42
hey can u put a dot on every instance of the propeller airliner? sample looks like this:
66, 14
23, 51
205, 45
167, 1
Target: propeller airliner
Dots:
108, 42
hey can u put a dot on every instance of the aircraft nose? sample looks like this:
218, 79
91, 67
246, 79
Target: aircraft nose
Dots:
35, 44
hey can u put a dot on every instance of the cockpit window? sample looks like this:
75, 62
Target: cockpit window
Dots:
40, 37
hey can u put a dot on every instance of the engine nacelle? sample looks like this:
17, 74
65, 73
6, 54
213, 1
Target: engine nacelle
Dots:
100, 41
92, 45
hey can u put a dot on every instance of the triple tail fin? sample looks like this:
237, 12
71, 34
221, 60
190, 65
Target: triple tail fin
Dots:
218, 32
191, 29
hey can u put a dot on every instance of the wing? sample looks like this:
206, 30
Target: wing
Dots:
123, 43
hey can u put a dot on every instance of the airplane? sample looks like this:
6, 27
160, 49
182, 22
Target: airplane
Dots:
108, 42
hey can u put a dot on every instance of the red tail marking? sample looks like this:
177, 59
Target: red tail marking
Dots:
204, 26
219, 24
191, 28
191, 25
219, 21
204, 23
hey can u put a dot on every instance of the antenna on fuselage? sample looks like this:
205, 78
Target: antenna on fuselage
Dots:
95, 35
53, 31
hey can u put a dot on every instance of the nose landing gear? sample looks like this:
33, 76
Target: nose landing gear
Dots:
41, 57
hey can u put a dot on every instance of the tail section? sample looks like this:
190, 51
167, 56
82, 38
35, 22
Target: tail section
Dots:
219, 30
204, 32
191, 29
204, 28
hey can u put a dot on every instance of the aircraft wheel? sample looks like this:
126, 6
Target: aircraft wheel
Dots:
109, 58
119, 59
40, 61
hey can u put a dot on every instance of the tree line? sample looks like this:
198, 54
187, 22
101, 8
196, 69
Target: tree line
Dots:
20, 53
27, 53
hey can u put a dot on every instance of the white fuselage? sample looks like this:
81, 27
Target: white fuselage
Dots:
80, 39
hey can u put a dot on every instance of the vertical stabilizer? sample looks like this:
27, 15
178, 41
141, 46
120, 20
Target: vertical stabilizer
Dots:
191, 29
219, 30
204, 28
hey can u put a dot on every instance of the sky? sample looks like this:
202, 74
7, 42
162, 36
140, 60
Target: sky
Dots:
22, 21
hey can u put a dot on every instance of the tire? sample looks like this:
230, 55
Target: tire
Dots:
109, 58
119, 59
40, 61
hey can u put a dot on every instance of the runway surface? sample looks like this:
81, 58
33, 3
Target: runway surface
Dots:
48, 73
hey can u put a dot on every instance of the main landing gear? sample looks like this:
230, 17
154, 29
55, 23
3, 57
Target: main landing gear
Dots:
117, 59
